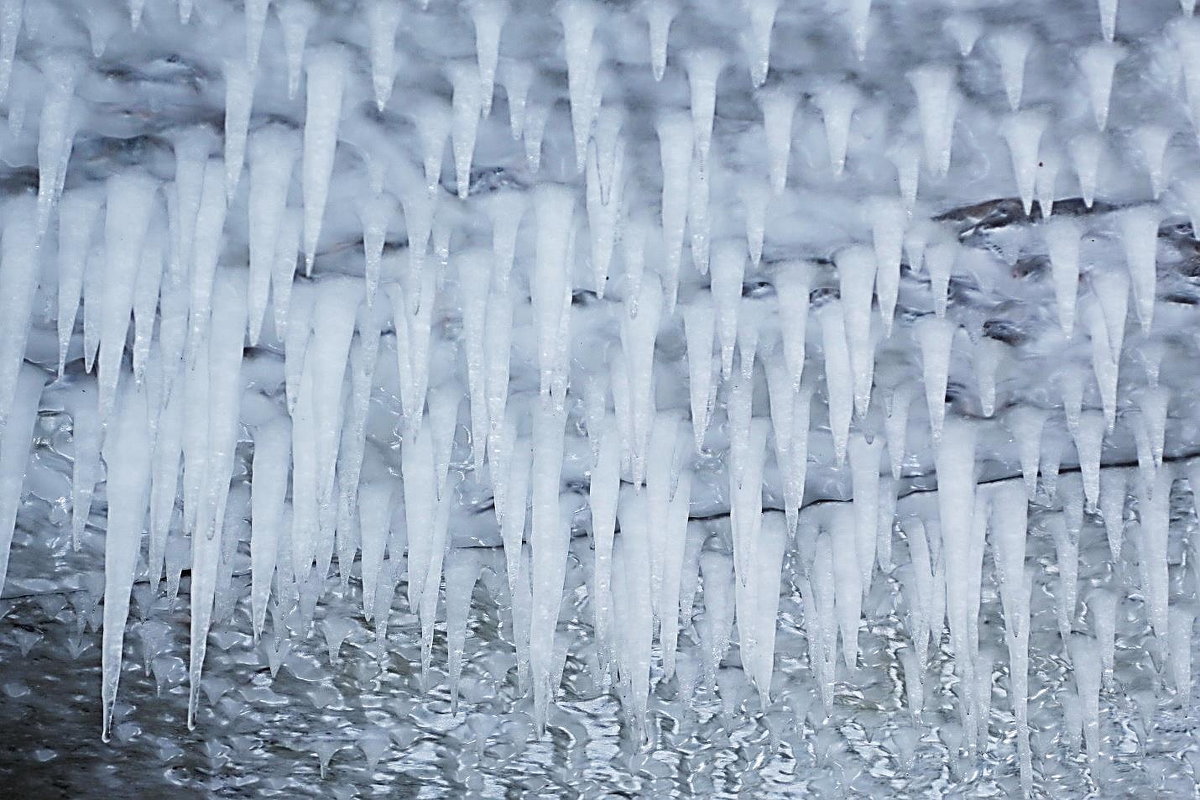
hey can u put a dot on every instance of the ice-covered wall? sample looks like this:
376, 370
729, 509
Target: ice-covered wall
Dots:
599, 398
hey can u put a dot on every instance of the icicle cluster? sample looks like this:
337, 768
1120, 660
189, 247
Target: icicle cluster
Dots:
390, 321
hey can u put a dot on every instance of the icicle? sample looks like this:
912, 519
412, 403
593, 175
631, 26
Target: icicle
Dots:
965, 30
1154, 507
56, 130
698, 216
1113, 488
1071, 385
888, 220
699, 322
605, 190
273, 152
1108, 18
466, 107
555, 205
703, 69
675, 150
896, 425
1153, 402
847, 582
837, 104
517, 76
778, 109
602, 500
1062, 236
864, 466
11, 13
754, 195
210, 225
130, 205
550, 539
239, 100
858, 14
838, 377
326, 82
383, 18
16, 438
659, 14
937, 107
936, 339
127, 487
579, 19
792, 281
505, 209
145, 295
462, 570
1011, 48
988, 353
1138, 229
728, 267
296, 17
1097, 62
940, 260
856, 276
1023, 132
1086, 149
638, 336
536, 116
268, 498
165, 482
74, 242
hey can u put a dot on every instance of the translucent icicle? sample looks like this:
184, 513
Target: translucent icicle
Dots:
675, 150
1138, 228
856, 276
462, 570
1011, 47
466, 106
896, 425
1089, 441
605, 188
16, 439
728, 268
239, 101
754, 196
659, 14
935, 337
11, 13
792, 281
1062, 236
268, 497
988, 353
326, 83
1113, 489
779, 110
703, 69
603, 491
1108, 18
699, 323
937, 107
555, 206
579, 20
1097, 62
1086, 149
964, 29
74, 242
296, 18
837, 104
273, 152
56, 129
838, 376
517, 76
383, 18
940, 260
1023, 132
127, 483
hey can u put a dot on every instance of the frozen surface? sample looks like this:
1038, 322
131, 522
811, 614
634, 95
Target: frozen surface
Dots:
666, 398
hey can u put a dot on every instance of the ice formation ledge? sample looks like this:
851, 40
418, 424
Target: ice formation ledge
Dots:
812, 383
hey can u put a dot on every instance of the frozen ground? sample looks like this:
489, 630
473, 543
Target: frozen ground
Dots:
781, 397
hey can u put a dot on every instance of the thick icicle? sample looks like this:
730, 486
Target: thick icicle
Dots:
239, 100
856, 276
837, 104
1011, 47
327, 70
1138, 229
1062, 236
268, 498
579, 20
296, 18
19, 271
937, 107
128, 488
74, 243
792, 282
659, 15
383, 18
703, 69
1023, 132
273, 151
675, 150
1097, 62
936, 339
756, 41
839, 386
699, 323
16, 438
779, 110
728, 267
466, 106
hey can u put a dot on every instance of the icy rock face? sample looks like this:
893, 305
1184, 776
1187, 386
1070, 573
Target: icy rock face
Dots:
791, 398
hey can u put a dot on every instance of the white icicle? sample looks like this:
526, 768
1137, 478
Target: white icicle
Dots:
56, 130
1062, 236
728, 267
505, 210
1113, 489
964, 29
74, 242
864, 474
940, 260
268, 498
754, 195
383, 18
837, 104
326, 71
1153, 403
988, 354
1154, 508
856, 276
638, 336
550, 537
126, 456
659, 15
296, 18
779, 110
888, 221
273, 151
792, 281
699, 323
1071, 385
1023, 132
1089, 442
858, 19
839, 385
703, 69
1138, 229
935, 337
603, 491
675, 151
896, 425
16, 438
579, 20
550, 281
130, 205
462, 570
1151, 143
11, 13
210, 226
146, 294
239, 101
1097, 62
605, 190
1086, 149
847, 580
937, 107
1011, 48
466, 106
516, 76
256, 23
1108, 18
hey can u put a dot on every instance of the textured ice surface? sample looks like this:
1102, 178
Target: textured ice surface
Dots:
490, 398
